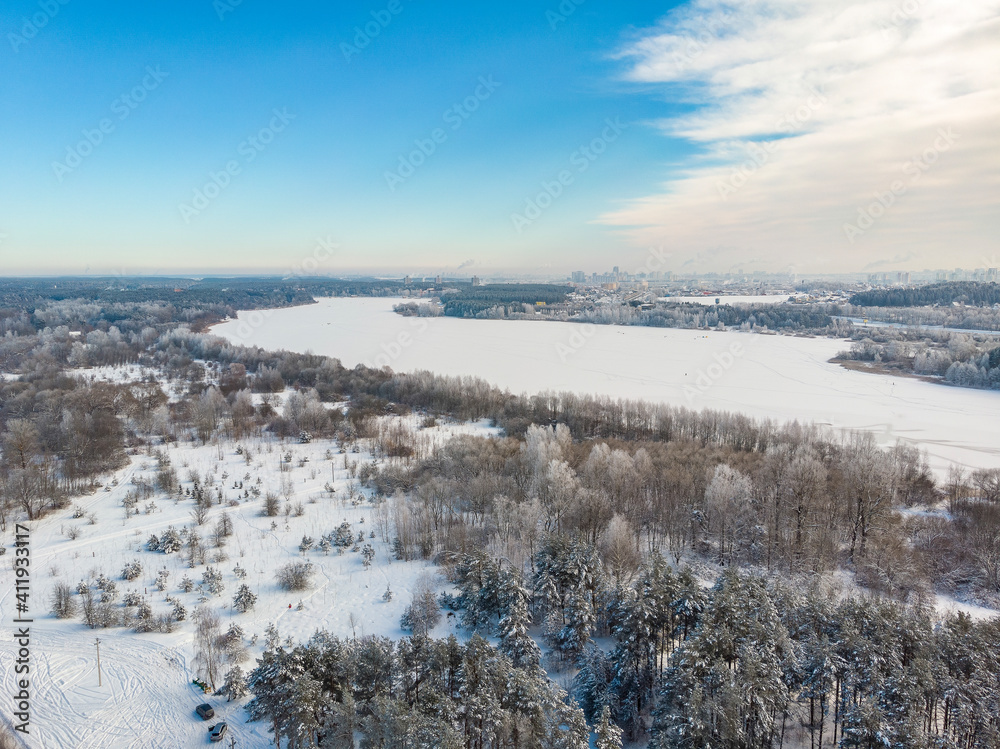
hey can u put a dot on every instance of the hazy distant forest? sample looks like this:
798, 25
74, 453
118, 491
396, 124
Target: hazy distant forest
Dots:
707, 580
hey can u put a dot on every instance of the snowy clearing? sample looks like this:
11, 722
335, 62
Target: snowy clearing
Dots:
146, 698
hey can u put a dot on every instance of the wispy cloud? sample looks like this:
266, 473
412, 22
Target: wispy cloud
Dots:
809, 111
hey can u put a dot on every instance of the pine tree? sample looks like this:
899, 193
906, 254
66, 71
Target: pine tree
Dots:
171, 542
609, 736
515, 641
272, 638
235, 685
245, 599
727, 685
367, 555
211, 578
592, 684
301, 712
339, 724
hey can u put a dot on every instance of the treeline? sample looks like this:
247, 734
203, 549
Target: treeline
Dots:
237, 293
417, 692
961, 292
499, 300
418, 309
800, 318
960, 317
374, 390
958, 359
58, 435
131, 305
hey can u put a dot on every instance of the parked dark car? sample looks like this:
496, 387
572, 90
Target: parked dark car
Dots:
218, 732
205, 711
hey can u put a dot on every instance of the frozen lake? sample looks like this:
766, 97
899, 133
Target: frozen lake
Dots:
778, 377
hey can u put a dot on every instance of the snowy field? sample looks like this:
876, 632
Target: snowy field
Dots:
146, 698
780, 377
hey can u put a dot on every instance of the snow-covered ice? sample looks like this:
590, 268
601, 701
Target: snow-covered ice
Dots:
780, 377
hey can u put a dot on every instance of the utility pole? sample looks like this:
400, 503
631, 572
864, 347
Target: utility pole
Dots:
98, 639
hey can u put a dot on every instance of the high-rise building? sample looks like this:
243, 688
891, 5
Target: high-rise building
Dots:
475, 281
579, 276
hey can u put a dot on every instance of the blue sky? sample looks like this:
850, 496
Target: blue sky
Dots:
356, 111
689, 96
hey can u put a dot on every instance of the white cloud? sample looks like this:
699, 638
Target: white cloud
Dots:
830, 107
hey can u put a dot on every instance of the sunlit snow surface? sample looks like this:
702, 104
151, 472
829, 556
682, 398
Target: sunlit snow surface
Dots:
780, 377
145, 699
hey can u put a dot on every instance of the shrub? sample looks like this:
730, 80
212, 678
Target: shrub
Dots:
132, 570
63, 605
295, 575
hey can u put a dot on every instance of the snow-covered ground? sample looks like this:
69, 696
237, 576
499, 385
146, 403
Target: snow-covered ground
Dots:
146, 698
780, 377
947, 605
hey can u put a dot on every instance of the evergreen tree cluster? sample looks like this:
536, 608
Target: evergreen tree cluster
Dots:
416, 692
476, 300
750, 664
963, 292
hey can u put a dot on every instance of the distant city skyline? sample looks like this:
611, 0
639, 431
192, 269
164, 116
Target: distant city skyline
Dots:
232, 138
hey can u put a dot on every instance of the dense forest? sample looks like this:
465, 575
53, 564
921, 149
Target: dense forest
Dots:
497, 300
197, 302
960, 292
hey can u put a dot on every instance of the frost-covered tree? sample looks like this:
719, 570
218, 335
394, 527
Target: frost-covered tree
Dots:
234, 687
608, 735
171, 542
726, 686
423, 613
340, 723
515, 641
234, 649
211, 580
295, 575
208, 643
132, 570
63, 604
245, 599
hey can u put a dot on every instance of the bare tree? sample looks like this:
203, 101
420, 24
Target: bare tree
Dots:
208, 644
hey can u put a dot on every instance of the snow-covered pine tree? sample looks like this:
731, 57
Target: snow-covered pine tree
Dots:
245, 599
512, 630
608, 735
235, 685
